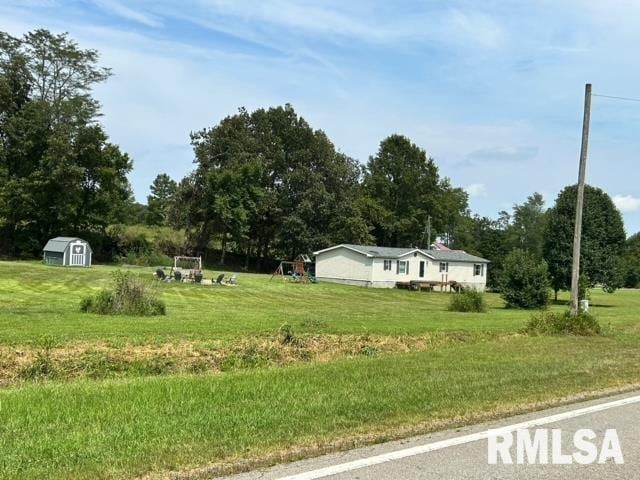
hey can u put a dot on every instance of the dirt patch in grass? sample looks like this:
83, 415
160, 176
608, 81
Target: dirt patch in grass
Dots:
97, 360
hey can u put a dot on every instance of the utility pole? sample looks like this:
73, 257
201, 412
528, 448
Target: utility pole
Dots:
427, 232
577, 233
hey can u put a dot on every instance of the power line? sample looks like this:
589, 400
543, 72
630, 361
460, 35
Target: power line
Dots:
628, 99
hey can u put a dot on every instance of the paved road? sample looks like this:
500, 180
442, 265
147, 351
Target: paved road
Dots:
462, 453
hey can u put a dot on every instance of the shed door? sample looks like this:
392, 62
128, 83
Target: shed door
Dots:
421, 269
78, 253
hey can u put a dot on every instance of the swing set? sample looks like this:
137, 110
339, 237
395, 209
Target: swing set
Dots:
296, 270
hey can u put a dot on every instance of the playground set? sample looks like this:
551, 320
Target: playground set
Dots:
300, 270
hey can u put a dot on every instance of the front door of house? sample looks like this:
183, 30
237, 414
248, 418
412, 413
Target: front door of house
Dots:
421, 269
77, 254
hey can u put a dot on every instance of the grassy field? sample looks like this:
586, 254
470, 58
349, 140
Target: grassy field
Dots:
111, 398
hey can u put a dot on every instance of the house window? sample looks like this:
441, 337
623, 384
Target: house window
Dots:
444, 266
403, 268
387, 265
478, 270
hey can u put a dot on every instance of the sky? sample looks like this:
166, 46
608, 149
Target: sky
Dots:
492, 90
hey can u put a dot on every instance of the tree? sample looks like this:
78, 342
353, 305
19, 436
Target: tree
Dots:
603, 239
159, 202
631, 262
267, 184
487, 238
524, 281
58, 172
529, 221
404, 188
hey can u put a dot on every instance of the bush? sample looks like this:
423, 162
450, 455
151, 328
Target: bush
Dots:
129, 296
468, 301
525, 281
550, 323
146, 245
144, 259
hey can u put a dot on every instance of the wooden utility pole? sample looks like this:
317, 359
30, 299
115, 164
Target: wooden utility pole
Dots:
577, 233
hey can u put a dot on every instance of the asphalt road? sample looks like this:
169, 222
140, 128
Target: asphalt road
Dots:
463, 453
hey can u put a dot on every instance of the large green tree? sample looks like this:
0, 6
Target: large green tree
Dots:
268, 185
404, 189
603, 239
58, 172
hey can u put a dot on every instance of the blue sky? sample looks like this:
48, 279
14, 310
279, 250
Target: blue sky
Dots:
492, 90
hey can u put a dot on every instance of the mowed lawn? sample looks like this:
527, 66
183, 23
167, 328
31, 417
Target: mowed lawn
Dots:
39, 301
134, 426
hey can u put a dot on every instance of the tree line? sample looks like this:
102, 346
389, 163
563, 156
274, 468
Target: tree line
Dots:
265, 184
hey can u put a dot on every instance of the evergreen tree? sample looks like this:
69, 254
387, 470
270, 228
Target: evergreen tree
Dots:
159, 202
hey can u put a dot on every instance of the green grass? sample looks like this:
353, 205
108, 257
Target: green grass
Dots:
125, 427
114, 429
40, 301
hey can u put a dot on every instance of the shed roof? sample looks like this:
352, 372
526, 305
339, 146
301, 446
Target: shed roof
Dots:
395, 252
59, 244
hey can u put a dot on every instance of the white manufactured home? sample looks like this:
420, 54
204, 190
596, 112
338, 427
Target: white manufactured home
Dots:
386, 267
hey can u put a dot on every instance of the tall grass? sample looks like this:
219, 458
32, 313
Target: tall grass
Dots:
552, 323
468, 301
130, 295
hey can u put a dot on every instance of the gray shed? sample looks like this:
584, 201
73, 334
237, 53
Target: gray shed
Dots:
68, 251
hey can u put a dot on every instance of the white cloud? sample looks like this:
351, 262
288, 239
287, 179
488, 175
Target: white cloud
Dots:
627, 203
116, 8
476, 190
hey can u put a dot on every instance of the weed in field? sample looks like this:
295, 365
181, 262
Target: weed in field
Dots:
42, 367
287, 335
369, 351
130, 295
468, 301
552, 323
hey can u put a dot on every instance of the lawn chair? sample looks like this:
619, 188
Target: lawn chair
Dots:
219, 279
233, 280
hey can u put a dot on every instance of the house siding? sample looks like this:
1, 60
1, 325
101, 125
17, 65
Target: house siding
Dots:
344, 266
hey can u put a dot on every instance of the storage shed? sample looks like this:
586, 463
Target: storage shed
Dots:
67, 251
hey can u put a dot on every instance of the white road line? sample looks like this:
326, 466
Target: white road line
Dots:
430, 447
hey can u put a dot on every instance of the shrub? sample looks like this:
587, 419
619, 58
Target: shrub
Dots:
550, 323
468, 301
286, 334
525, 281
145, 245
130, 295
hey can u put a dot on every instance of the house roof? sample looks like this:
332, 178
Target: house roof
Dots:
439, 246
59, 244
393, 252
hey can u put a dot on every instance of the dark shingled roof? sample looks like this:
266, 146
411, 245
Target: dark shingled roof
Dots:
59, 244
439, 255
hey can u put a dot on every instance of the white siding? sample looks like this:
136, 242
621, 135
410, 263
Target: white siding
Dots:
344, 266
